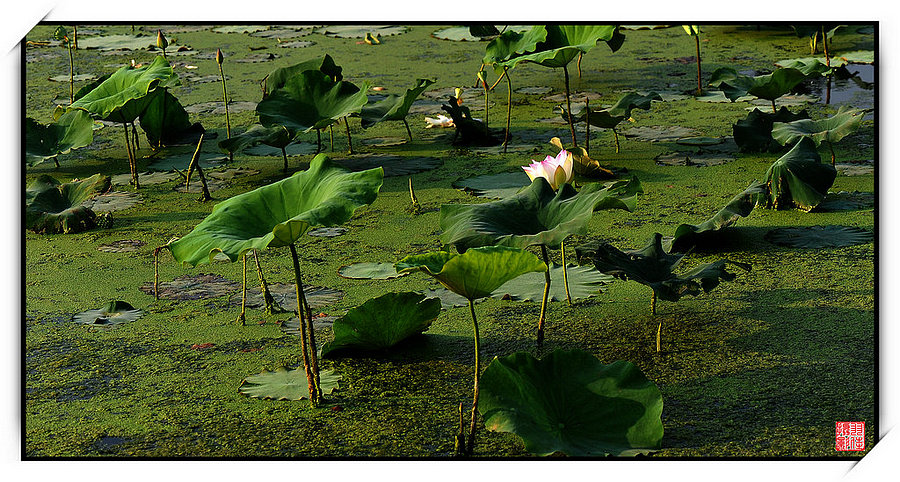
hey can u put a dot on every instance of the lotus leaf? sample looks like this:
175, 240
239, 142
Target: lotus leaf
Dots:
122, 246
279, 213
584, 282
858, 57
147, 178
389, 141
383, 322
535, 216
277, 78
817, 237
769, 87
611, 117
564, 42
115, 313
54, 207
360, 31
830, 130
754, 133
118, 42
310, 100
165, 121
112, 201
276, 136
240, 28
124, 95
512, 43
458, 34
798, 179
688, 235
284, 297
661, 133
496, 186
695, 160
475, 273
572, 403
71, 131
193, 287
369, 271
327, 232
811, 66
394, 107
284, 384
847, 201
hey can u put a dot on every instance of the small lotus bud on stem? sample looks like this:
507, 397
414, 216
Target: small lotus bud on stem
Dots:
161, 41
219, 57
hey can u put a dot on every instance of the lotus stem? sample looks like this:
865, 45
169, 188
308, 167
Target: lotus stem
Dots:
56, 161
508, 107
460, 442
349, 141
318, 141
505, 70
75, 36
264, 287
653, 304
831, 147
562, 247
71, 74
135, 139
131, 163
314, 358
241, 317
616, 137
827, 89
774, 110
412, 197
569, 107
587, 125
284, 156
658, 336
470, 442
578, 63
225, 99
699, 85
408, 132
540, 333
307, 356
482, 76
156, 273
195, 163
825, 47
331, 136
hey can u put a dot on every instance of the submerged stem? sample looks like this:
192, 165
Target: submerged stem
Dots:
131, 161
587, 125
307, 365
470, 443
540, 333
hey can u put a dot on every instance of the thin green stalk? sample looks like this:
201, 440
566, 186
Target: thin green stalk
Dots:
569, 108
508, 107
156, 272
540, 333
318, 141
241, 318
349, 141
284, 156
71, 74
587, 125
310, 379
314, 358
562, 247
459, 446
131, 163
616, 136
408, 132
659, 336
264, 287
831, 147
227, 117
699, 85
653, 304
331, 136
470, 443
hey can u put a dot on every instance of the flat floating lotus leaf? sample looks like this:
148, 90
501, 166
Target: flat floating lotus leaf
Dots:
218, 108
360, 31
448, 298
240, 28
147, 178
112, 201
71, 131
815, 237
699, 141
368, 270
831, 129
798, 179
541, 90
534, 216
688, 235
510, 150
273, 139
295, 149
122, 246
714, 97
579, 96
392, 107
572, 403
292, 326
847, 201
456, 34
654, 267
475, 273
858, 57
660, 133
643, 27
497, 186
54, 207
257, 58
115, 313
310, 100
76, 78
384, 141
285, 296
196, 187
327, 232
847, 169
278, 214
283, 33
383, 322
284, 384
296, 44
170, 162
754, 132
584, 282
786, 100
393, 165
229, 174
193, 287
690, 159
120, 42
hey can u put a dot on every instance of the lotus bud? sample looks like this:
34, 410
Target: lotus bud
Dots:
457, 92
219, 56
161, 41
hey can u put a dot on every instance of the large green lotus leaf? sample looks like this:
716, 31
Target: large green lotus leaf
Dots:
831, 129
769, 86
165, 121
652, 266
612, 116
798, 179
369, 270
475, 273
817, 237
284, 384
126, 93
279, 213
564, 42
572, 403
311, 100
584, 282
276, 136
535, 216
52, 207
72, 130
689, 235
277, 78
115, 313
383, 322
511, 43
497, 186
393, 107
812, 66
754, 133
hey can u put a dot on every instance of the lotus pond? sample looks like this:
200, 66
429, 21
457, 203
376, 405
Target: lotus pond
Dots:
406, 241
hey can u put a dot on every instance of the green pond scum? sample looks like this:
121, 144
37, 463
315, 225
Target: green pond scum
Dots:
762, 366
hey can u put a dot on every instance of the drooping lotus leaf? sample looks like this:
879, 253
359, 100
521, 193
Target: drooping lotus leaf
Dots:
368, 270
564, 42
392, 107
812, 66
754, 133
310, 100
166, 122
689, 235
535, 216
511, 43
115, 313
654, 267
816, 237
798, 179
475, 273
572, 403
276, 136
383, 322
127, 92
279, 213
831, 129
584, 282
54, 207
284, 384
769, 86
71, 131
277, 78
611, 117
497, 186
284, 296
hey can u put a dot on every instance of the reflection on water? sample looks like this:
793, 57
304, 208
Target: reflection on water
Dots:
856, 90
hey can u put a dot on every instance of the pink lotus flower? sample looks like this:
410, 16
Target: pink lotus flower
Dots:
556, 170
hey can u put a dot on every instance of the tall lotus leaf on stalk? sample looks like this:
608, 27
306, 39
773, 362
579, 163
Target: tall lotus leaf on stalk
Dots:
62, 35
797, 179
828, 130
312, 100
535, 216
769, 86
125, 95
473, 275
694, 31
610, 117
563, 44
278, 77
816, 32
72, 130
393, 107
277, 215
654, 267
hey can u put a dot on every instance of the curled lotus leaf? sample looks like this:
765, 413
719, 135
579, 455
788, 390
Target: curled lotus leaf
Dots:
511, 43
310, 100
534, 216
72, 130
392, 107
611, 117
277, 78
124, 95
769, 86
689, 235
54, 207
811, 66
563, 43
280, 213
115, 313
477, 272
754, 132
383, 322
831, 129
798, 179
572, 403
284, 384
